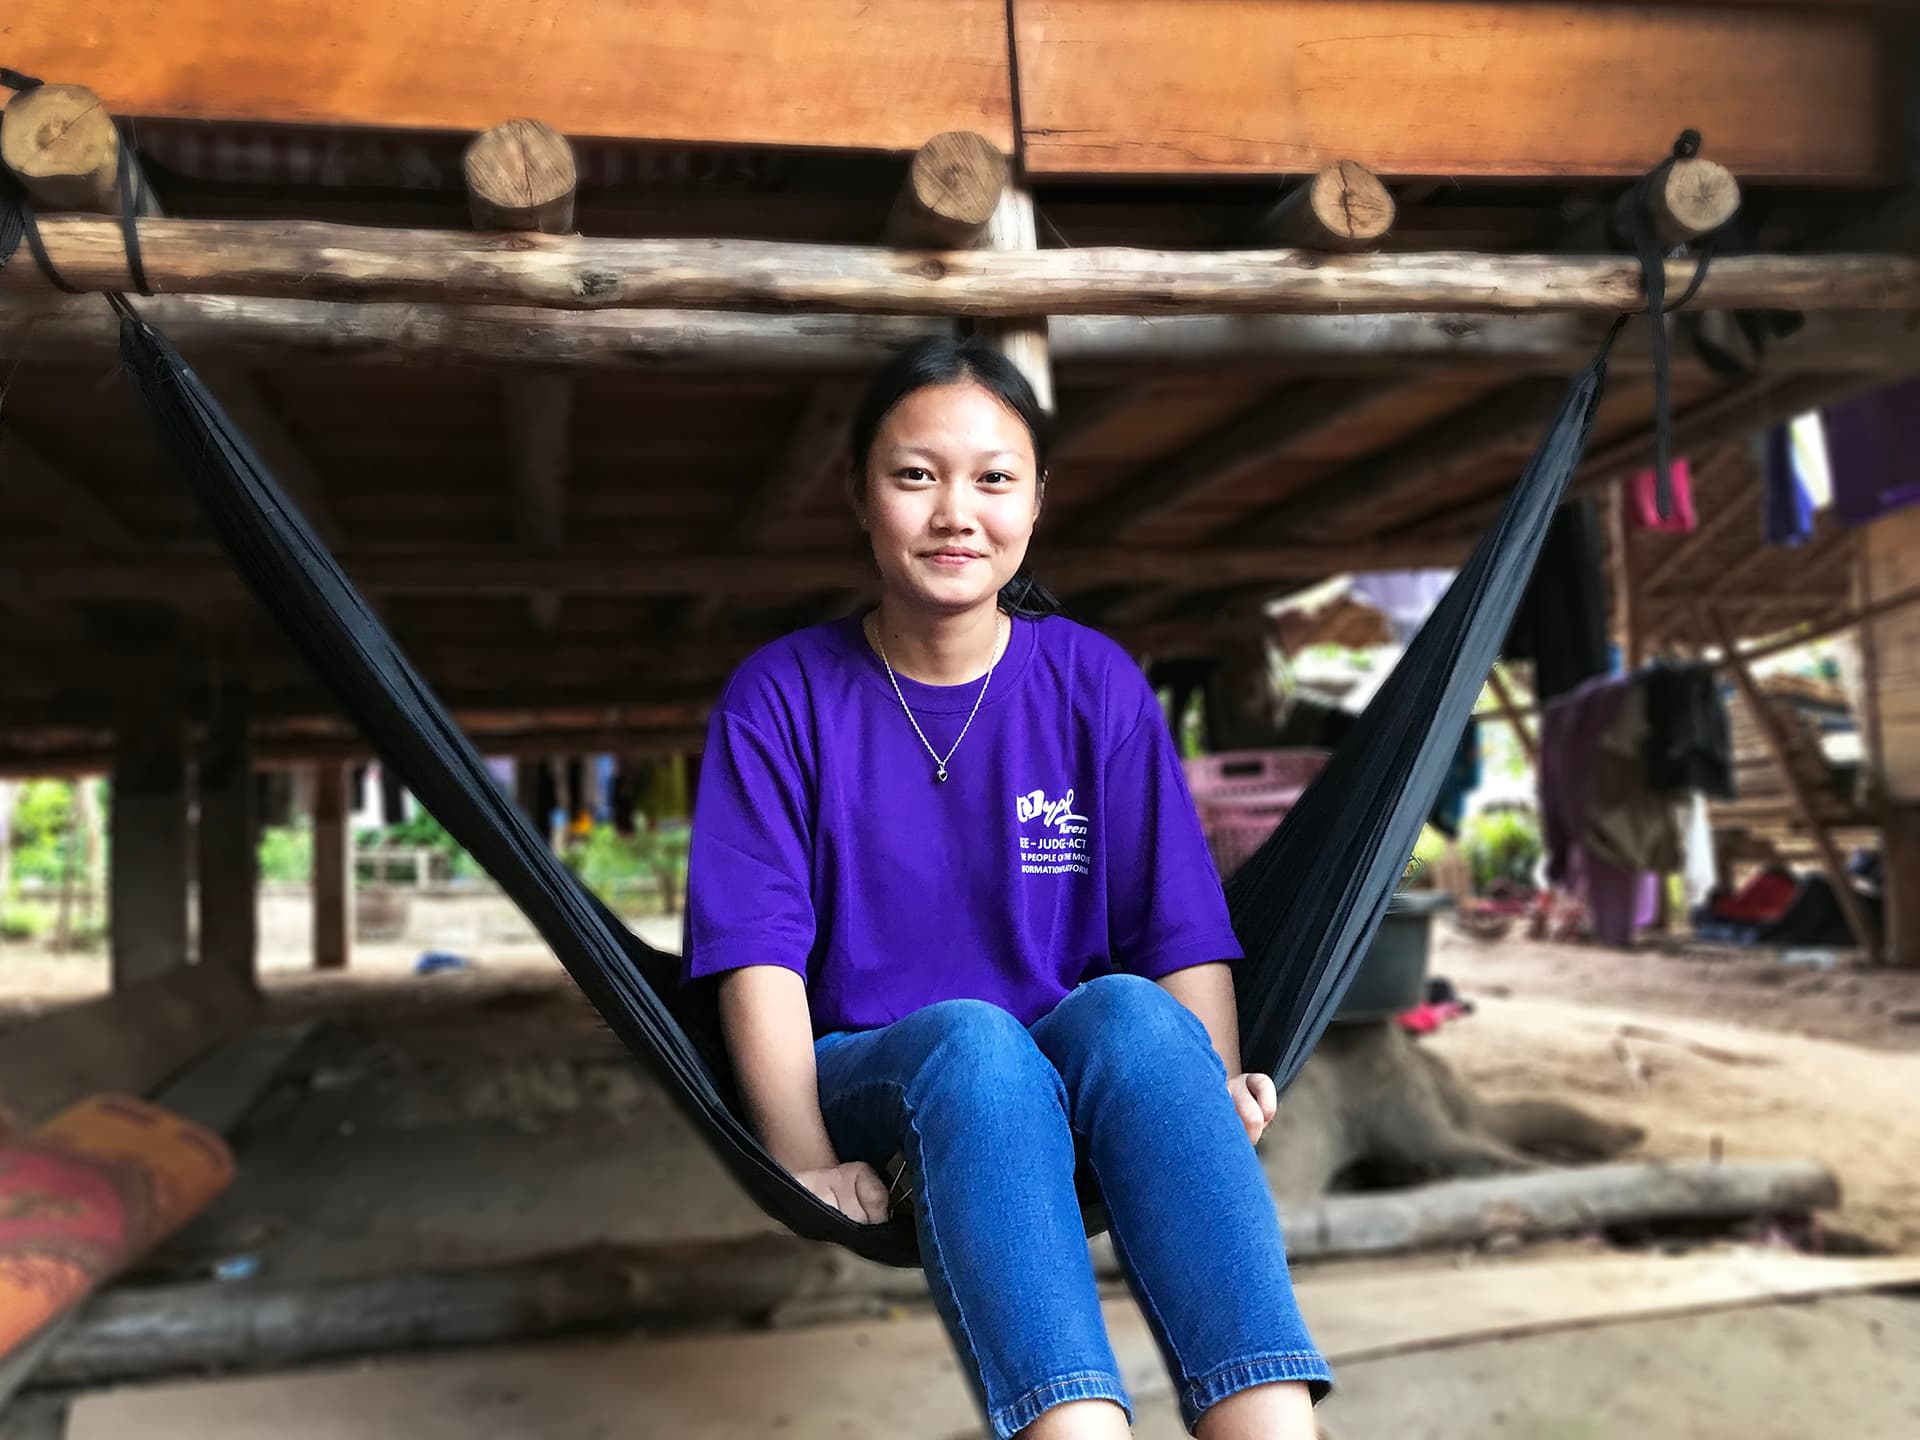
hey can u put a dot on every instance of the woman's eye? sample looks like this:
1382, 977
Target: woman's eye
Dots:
913, 473
997, 477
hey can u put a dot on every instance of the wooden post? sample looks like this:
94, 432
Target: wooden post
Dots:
953, 186
1022, 340
1343, 209
1696, 197
227, 840
148, 883
521, 176
1900, 882
332, 869
61, 141
1626, 578
1803, 800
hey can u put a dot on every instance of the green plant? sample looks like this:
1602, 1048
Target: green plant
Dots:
286, 853
23, 922
1502, 845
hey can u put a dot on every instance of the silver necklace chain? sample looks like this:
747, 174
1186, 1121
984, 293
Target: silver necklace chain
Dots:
939, 760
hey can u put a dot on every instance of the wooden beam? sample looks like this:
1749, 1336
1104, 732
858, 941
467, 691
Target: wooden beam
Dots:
305, 260
539, 421
521, 176
259, 332
1245, 444
61, 143
492, 571
1441, 87
1695, 197
30, 477
1386, 487
953, 185
837, 74
1341, 210
240, 394
1803, 802
332, 868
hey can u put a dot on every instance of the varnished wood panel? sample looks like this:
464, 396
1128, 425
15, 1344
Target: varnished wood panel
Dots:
1439, 87
840, 73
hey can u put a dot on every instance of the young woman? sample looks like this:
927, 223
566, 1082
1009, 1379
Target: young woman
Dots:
947, 869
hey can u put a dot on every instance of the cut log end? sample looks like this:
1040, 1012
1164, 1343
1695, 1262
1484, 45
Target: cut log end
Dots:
60, 140
521, 175
1698, 197
1344, 208
953, 186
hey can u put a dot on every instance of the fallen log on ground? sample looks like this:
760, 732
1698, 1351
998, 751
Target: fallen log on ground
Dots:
265, 1324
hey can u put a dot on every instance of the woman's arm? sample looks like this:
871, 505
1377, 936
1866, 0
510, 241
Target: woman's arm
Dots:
769, 1034
1207, 990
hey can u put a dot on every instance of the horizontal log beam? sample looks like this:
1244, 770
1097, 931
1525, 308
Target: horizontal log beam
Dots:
261, 332
305, 260
491, 571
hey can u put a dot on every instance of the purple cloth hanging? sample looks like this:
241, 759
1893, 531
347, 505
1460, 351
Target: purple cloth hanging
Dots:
1873, 444
1621, 900
1789, 507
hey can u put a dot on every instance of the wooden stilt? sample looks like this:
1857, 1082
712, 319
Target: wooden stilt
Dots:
1803, 802
149, 876
332, 869
1627, 607
226, 840
1022, 340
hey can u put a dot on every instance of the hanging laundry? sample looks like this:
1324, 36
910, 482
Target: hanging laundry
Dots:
1789, 507
1405, 597
1620, 898
1561, 625
1643, 506
1873, 445
1689, 742
1462, 780
1702, 871
1629, 824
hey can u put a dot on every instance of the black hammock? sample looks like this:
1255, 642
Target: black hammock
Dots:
1305, 906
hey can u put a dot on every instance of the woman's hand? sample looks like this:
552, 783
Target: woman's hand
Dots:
855, 1188
1256, 1101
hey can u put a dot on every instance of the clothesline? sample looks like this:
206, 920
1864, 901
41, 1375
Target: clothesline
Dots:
1856, 616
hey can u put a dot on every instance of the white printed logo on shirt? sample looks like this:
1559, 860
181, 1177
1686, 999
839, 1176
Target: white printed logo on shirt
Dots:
1063, 847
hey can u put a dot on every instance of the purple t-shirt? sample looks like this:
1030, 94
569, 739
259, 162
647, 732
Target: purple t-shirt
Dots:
1062, 845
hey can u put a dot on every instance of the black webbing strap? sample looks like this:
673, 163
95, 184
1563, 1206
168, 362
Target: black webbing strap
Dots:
1637, 221
17, 219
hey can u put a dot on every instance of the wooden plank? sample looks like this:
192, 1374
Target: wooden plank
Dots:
832, 73
1422, 88
868, 1381
309, 260
1803, 801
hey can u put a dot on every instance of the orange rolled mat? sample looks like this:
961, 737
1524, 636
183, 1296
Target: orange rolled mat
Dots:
90, 1191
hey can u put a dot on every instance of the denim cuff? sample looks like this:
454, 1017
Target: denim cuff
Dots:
1206, 1391
1010, 1420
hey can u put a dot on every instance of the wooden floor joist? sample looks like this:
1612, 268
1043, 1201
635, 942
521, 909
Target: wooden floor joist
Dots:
304, 260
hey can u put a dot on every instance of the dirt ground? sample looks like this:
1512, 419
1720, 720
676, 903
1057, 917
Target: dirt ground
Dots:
485, 1113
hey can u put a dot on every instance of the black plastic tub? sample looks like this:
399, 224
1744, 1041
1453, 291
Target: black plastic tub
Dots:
1393, 977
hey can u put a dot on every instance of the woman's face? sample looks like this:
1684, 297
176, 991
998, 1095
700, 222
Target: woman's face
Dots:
952, 493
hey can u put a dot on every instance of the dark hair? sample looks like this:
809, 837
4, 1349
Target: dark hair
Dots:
943, 360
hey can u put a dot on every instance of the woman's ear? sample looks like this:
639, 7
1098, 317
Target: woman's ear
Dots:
1040, 495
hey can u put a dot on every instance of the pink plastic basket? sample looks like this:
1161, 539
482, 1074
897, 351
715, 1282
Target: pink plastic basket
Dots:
1243, 795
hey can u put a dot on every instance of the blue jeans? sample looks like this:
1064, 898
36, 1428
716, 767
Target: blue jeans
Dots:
992, 1117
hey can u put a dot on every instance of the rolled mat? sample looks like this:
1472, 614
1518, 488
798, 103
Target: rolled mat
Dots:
89, 1192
